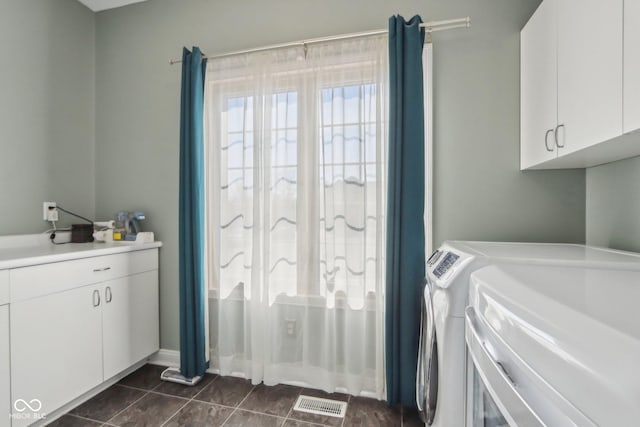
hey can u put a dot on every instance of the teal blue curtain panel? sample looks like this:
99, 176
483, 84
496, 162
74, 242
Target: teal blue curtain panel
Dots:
405, 209
191, 216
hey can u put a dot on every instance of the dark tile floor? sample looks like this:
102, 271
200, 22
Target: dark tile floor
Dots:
141, 399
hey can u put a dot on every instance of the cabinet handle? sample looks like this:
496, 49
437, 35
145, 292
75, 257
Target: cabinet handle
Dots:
95, 270
107, 295
555, 134
96, 298
546, 140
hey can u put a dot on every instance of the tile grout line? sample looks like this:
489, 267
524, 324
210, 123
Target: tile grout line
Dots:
233, 408
175, 413
146, 393
238, 405
146, 390
171, 395
187, 402
207, 386
345, 412
127, 407
292, 406
215, 404
83, 418
159, 384
253, 411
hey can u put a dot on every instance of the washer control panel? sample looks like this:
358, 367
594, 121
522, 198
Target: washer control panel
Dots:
435, 256
445, 265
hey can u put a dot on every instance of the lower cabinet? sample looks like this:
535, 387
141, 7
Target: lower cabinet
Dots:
56, 351
5, 384
66, 341
130, 315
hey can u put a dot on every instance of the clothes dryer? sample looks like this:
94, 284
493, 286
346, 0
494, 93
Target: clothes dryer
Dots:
440, 379
553, 346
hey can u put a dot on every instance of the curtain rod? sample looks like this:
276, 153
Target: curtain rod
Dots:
428, 26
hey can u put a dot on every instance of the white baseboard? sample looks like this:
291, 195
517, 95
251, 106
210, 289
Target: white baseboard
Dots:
171, 358
166, 357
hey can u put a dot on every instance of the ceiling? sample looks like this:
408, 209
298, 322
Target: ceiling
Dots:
98, 5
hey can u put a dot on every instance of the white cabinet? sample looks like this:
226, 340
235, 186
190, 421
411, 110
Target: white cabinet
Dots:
77, 323
571, 67
56, 348
589, 72
631, 103
5, 384
538, 87
129, 321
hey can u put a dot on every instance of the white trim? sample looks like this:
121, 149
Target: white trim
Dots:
427, 81
171, 358
164, 357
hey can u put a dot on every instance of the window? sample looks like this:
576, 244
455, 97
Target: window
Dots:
297, 175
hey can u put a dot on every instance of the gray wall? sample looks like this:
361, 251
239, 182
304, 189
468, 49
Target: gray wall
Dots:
613, 205
46, 111
479, 191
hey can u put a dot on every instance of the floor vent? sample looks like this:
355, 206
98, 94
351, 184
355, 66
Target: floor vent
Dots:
316, 405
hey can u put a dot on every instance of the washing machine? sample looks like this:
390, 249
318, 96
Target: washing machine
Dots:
441, 376
553, 346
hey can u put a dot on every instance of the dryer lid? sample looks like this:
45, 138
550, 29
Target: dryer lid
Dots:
566, 254
577, 328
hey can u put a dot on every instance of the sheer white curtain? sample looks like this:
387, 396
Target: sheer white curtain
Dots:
296, 164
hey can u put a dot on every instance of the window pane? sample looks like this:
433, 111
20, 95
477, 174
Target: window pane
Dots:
348, 204
284, 131
237, 145
326, 153
370, 142
235, 114
352, 102
352, 143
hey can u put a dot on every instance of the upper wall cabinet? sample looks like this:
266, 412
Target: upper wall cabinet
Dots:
539, 87
572, 84
589, 72
631, 103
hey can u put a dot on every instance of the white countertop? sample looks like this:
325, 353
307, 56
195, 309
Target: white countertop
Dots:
22, 251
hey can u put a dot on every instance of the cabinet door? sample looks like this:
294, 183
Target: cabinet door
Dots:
56, 348
130, 321
589, 72
631, 85
538, 86
5, 390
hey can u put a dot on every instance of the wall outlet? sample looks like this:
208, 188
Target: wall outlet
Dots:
291, 326
49, 214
